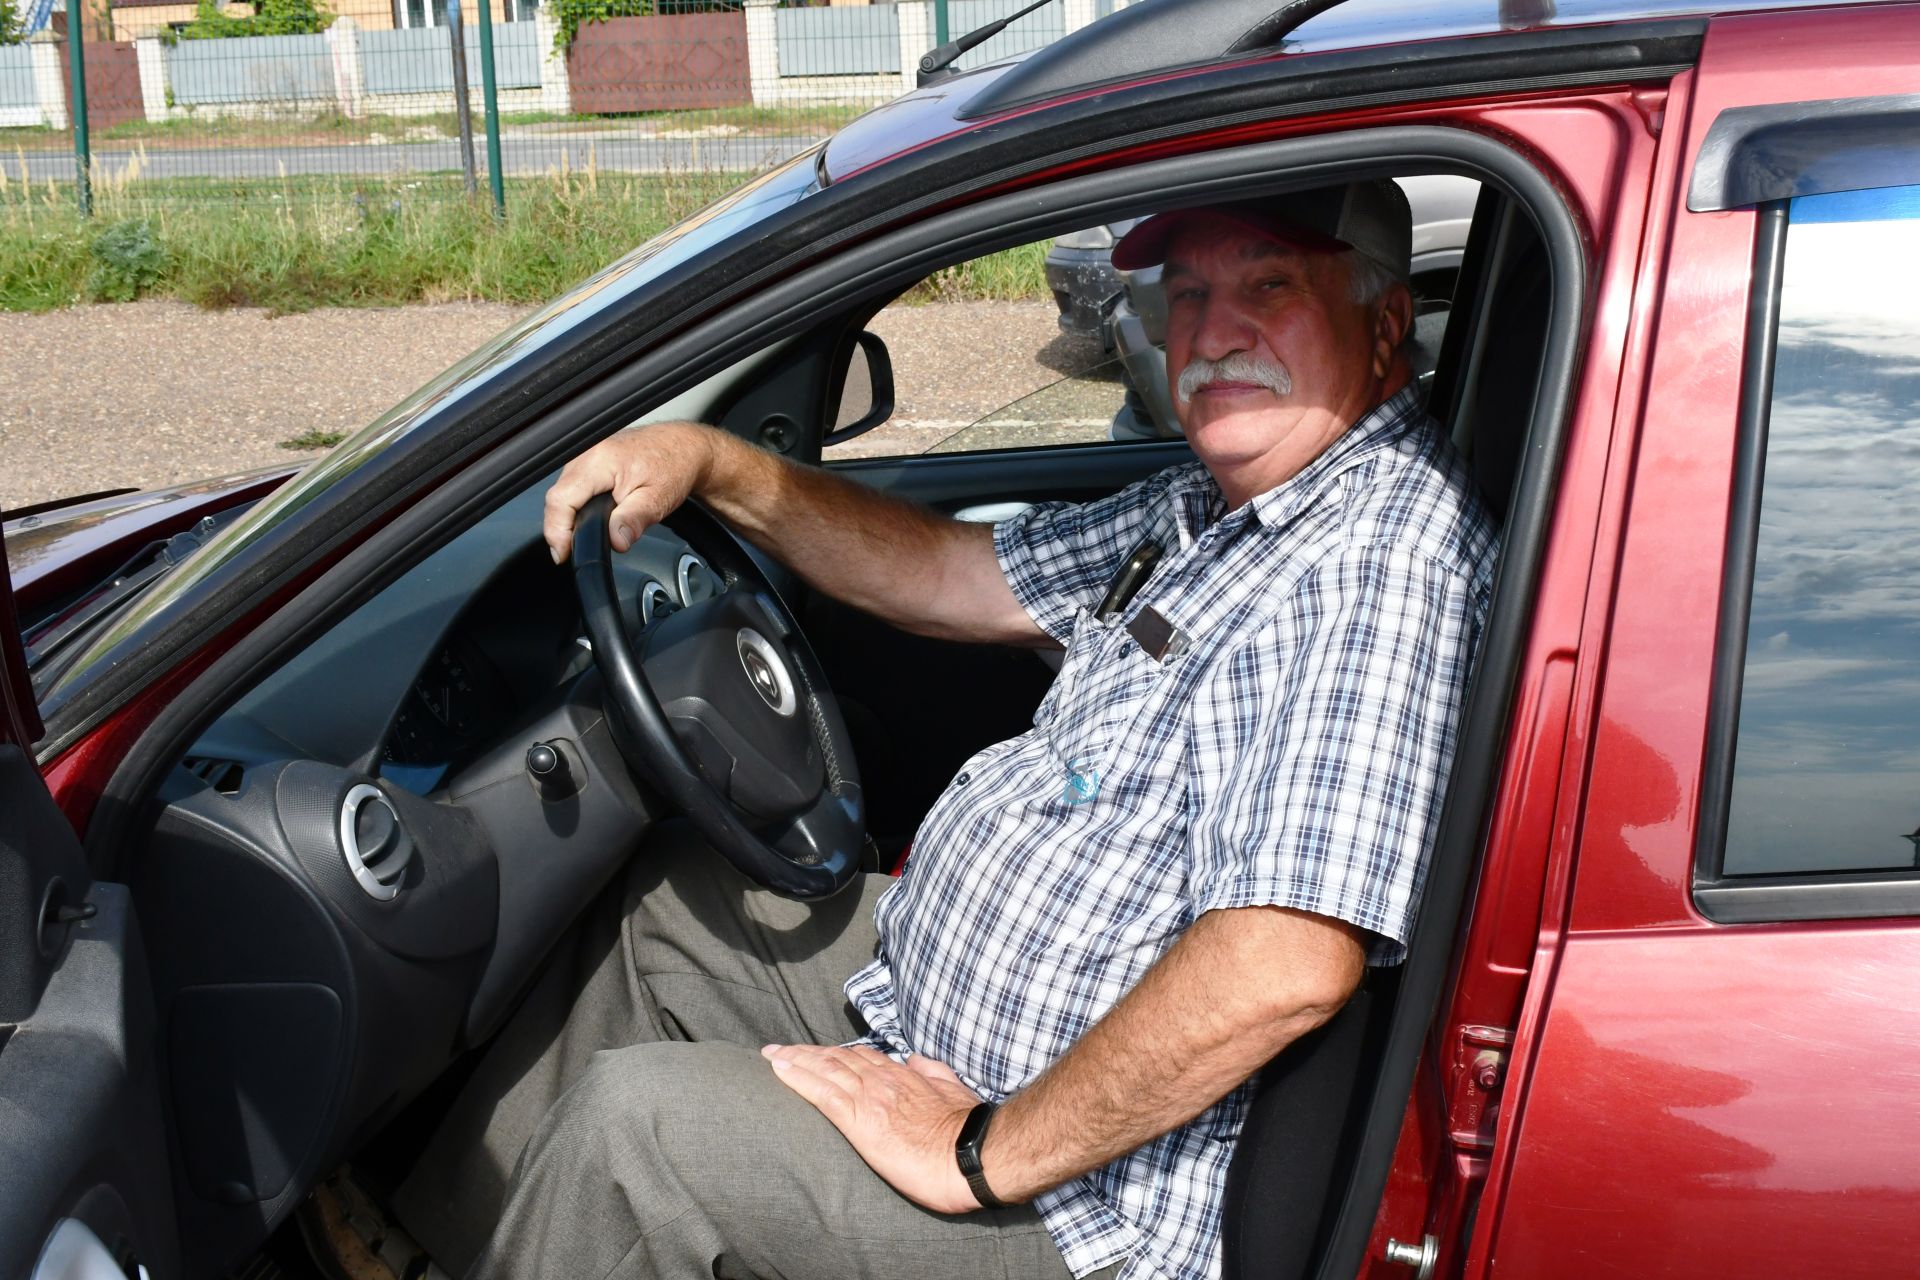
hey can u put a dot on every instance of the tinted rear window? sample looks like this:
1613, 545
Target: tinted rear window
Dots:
1827, 770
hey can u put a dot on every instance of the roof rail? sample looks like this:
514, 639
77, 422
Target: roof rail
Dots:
1149, 36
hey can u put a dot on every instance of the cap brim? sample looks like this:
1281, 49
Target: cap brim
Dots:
1146, 245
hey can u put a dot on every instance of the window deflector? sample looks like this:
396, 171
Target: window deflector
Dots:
19, 713
1754, 155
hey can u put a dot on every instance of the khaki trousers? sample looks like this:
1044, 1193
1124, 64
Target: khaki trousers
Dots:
625, 1125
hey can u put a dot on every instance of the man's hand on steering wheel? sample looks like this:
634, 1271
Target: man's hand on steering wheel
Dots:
721, 706
649, 471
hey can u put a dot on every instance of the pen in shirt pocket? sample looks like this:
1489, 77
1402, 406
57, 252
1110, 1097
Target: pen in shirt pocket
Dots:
1126, 583
1158, 638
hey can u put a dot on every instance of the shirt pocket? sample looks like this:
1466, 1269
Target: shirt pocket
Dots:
1106, 681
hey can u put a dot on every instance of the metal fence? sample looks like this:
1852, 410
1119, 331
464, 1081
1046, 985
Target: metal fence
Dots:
370, 100
19, 99
290, 70
405, 63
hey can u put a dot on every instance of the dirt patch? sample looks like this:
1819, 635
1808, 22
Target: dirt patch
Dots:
157, 393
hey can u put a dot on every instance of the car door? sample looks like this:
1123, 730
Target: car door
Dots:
1719, 1076
84, 1189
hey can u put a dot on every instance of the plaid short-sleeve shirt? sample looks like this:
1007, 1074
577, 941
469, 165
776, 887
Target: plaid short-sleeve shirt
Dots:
1292, 753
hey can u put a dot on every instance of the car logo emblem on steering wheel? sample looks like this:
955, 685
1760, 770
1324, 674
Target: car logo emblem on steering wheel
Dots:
766, 672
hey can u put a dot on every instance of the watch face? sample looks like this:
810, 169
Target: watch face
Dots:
966, 1150
973, 1132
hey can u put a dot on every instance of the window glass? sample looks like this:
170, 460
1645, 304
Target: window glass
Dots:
1048, 344
975, 339
1077, 410
1827, 764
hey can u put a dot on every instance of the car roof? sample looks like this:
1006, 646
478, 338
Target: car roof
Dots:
1364, 23
1157, 36
1154, 38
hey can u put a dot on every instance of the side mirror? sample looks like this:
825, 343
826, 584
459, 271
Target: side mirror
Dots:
866, 393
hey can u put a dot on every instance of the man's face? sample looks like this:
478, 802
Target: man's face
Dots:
1268, 356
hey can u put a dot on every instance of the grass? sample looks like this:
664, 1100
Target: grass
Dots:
314, 440
820, 118
1012, 275
332, 128
298, 244
324, 128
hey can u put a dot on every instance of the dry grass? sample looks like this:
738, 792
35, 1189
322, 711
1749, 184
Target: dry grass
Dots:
296, 244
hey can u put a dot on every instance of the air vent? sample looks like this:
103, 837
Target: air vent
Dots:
655, 602
377, 848
695, 580
222, 775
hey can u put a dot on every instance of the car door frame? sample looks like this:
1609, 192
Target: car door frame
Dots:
890, 261
84, 1184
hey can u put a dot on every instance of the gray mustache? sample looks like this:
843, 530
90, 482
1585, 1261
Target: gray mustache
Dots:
1240, 366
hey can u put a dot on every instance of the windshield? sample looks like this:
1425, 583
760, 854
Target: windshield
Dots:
51, 645
446, 397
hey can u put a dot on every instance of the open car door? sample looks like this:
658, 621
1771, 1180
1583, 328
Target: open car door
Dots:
84, 1191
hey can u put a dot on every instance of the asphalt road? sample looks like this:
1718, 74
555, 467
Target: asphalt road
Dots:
156, 393
520, 156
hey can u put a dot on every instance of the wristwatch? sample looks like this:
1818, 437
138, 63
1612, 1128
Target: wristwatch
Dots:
966, 1151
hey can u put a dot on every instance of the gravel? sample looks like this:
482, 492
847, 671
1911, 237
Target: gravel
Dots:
155, 393
957, 363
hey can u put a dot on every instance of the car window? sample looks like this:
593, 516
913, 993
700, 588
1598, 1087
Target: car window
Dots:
1827, 756
1033, 346
987, 333
1080, 409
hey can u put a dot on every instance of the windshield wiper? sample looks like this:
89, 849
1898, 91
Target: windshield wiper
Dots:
123, 585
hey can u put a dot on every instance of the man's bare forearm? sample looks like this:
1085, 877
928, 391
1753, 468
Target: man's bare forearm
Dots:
1239, 986
913, 567
916, 568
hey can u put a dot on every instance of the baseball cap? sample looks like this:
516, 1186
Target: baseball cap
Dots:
1372, 218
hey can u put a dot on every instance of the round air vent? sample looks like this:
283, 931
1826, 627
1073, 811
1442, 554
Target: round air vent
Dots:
695, 581
655, 602
376, 846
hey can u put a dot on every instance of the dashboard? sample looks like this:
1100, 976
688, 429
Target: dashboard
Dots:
459, 699
499, 655
426, 674
354, 872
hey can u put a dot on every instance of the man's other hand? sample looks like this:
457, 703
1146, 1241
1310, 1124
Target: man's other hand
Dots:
649, 471
902, 1120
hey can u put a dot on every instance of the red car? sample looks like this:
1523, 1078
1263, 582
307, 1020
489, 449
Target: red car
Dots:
305, 773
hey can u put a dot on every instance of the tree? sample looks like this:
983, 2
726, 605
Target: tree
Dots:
271, 18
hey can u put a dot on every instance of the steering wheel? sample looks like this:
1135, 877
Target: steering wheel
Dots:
726, 710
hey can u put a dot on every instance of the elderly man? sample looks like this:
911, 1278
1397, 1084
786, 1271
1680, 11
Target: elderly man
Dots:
1109, 923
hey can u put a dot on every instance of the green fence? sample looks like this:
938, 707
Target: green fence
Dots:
178, 112
343, 159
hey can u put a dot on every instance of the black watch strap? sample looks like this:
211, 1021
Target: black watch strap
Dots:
966, 1151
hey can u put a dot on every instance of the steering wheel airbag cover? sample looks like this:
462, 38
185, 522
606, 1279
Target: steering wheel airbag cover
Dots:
811, 850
